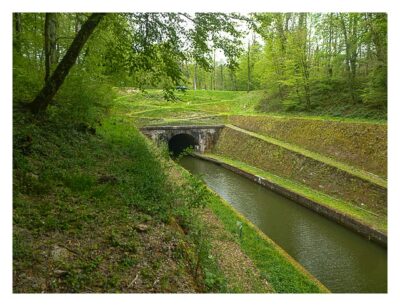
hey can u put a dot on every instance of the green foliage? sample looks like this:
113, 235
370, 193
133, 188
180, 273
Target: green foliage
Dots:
84, 100
131, 49
205, 266
375, 93
324, 63
245, 74
26, 81
196, 194
333, 63
148, 49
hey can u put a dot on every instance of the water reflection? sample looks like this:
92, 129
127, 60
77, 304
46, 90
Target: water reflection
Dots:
342, 260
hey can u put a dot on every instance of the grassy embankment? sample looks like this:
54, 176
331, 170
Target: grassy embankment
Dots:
362, 144
102, 211
91, 214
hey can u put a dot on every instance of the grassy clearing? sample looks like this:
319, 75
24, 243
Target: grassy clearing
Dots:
366, 217
199, 107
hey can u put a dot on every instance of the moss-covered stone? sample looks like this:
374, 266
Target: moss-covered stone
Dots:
363, 145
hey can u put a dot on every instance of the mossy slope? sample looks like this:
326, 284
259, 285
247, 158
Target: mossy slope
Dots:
286, 163
360, 144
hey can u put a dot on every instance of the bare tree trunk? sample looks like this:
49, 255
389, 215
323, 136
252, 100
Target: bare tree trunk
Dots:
248, 67
78, 23
222, 77
50, 47
195, 77
330, 70
351, 56
52, 85
214, 74
17, 33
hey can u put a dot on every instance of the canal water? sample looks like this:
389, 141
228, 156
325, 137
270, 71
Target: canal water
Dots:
342, 260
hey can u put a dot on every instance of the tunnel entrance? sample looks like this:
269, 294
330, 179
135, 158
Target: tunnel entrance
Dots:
180, 142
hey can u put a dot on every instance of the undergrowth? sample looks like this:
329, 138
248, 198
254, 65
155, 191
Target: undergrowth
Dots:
92, 202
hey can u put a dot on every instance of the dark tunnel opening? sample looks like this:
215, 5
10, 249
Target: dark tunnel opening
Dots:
178, 143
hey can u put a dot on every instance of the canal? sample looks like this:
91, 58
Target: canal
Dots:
342, 260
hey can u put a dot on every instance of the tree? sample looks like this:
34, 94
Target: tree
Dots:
312, 59
50, 48
248, 67
153, 47
349, 24
17, 32
52, 84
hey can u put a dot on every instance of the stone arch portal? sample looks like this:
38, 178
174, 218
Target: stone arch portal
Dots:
179, 142
202, 137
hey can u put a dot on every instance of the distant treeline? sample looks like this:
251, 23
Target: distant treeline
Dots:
305, 58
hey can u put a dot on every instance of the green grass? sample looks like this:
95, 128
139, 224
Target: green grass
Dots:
325, 117
370, 219
203, 107
329, 161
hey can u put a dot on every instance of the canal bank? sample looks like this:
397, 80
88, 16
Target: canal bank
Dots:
349, 222
281, 271
310, 169
339, 258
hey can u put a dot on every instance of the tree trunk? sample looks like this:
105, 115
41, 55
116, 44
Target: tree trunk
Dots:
348, 49
330, 70
195, 77
17, 33
222, 77
214, 73
78, 23
52, 85
248, 67
50, 47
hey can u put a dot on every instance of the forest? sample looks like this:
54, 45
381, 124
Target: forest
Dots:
108, 106
328, 63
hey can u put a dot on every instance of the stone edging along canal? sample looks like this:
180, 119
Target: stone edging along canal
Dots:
276, 246
340, 218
